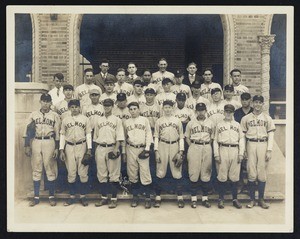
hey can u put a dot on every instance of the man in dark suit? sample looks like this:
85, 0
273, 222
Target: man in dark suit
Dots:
103, 75
191, 75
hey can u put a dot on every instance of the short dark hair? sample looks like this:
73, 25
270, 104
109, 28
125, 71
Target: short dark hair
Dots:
207, 69
162, 59
131, 63
120, 69
146, 70
104, 60
59, 76
88, 70
192, 63
235, 70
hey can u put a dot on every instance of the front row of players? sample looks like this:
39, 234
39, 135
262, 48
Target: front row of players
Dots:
130, 141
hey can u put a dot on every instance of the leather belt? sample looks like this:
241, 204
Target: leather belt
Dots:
257, 140
77, 143
106, 145
200, 143
229, 145
45, 137
169, 142
137, 146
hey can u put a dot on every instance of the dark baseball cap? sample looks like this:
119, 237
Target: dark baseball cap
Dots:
46, 97
108, 102
168, 102
229, 108
121, 97
181, 96
245, 96
108, 81
200, 106
166, 81
215, 90
196, 84
138, 82
259, 98
133, 104
74, 102
68, 87
179, 73
229, 88
150, 91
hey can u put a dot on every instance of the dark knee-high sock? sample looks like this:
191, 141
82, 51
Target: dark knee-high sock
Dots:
261, 189
193, 188
157, 186
72, 188
135, 188
51, 186
114, 189
206, 186
103, 189
252, 190
221, 189
36, 188
179, 187
83, 188
234, 190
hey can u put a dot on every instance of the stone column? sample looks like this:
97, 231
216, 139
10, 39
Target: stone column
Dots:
265, 41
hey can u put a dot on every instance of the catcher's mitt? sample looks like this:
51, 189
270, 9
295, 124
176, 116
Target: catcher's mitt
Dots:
144, 154
30, 131
113, 156
177, 159
86, 159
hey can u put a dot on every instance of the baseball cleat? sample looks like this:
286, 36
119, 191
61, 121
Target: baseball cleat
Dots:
180, 203
147, 203
52, 202
112, 204
83, 201
194, 204
134, 201
263, 204
157, 203
237, 204
206, 204
221, 204
103, 201
251, 204
34, 202
69, 202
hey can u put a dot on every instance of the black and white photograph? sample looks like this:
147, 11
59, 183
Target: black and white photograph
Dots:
150, 118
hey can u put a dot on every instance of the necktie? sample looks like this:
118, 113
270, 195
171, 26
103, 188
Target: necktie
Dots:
58, 92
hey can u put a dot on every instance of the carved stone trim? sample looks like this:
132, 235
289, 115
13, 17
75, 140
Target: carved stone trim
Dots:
35, 47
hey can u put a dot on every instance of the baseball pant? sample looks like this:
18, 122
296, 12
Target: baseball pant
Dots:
42, 154
108, 170
229, 166
257, 164
74, 156
199, 162
136, 166
167, 152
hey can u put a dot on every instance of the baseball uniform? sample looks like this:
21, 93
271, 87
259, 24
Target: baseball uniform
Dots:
240, 113
238, 90
158, 76
151, 112
191, 102
233, 102
157, 87
137, 98
61, 108
206, 88
123, 88
93, 112
182, 88
184, 115
163, 96
82, 93
215, 111
123, 114
100, 79
104, 96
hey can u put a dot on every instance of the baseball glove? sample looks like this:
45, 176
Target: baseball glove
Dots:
177, 159
86, 159
30, 131
113, 156
144, 154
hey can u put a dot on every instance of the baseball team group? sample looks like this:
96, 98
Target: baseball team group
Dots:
150, 126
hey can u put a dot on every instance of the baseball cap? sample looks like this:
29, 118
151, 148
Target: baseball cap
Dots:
166, 81
200, 106
168, 102
94, 91
133, 104
150, 91
259, 98
229, 107
121, 97
74, 102
68, 87
108, 81
214, 90
229, 87
178, 73
46, 97
138, 82
196, 84
181, 96
245, 96
108, 102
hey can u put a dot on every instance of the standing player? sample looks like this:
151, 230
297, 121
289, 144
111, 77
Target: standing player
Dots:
215, 110
104, 75
107, 135
259, 130
229, 147
147, 82
138, 140
181, 112
121, 86
132, 76
245, 109
168, 147
61, 108
57, 92
120, 110
82, 91
109, 86
196, 97
44, 147
228, 97
75, 142
138, 93
208, 84
162, 73
179, 87
167, 94
236, 78
192, 76
199, 135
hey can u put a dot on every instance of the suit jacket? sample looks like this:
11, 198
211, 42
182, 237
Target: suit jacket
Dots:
186, 80
99, 80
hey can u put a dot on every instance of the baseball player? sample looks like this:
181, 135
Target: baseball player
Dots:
228, 97
57, 92
245, 109
162, 73
104, 75
196, 97
208, 84
147, 82
169, 148
236, 78
61, 108
132, 76
215, 110
107, 135
43, 149
179, 87
121, 86
75, 142
259, 130
120, 109
82, 91
109, 86
199, 135
229, 147
167, 94
138, 140
138, 93
192, 76
181, 112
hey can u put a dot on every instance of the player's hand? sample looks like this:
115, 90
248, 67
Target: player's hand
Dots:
157, 157
218, 159
240, 159
116, 151
28, 151
62, 155
55, 154
268, 155
124, 158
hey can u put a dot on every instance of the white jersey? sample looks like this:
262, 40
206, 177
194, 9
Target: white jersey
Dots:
185, 114
238, 90
200, 130
233, 102
57, 95
93, 112
215, 112
182, 88
122, 114
206, 88
158, 76
123, 88
191, 102
104, 96
151, 112
62, 109
82, 93
135, 98
160, 98
157, 87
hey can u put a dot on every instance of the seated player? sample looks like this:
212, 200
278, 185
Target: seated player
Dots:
179, 87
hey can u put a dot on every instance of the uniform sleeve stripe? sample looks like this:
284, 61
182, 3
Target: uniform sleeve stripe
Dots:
271, 130
244, 132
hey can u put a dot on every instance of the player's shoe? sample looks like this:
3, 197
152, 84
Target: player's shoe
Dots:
180, 203
52, 202
237, 204
134, 201
157, 203
34, 202
147, 203
112, 204
263, 204
206, 204
251, 204
221, 204
83, 201
103, 201
194, 204
69, 202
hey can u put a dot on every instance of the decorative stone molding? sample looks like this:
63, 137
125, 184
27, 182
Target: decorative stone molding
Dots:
35, 47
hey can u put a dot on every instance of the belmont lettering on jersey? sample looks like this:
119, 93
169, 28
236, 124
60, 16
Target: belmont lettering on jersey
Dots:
82, 93
136, 126
254, 123
109, 124
182, 116
123, 116
76, 123
201, 129
151, 113
216, 111
223, 128
44, 121
94, 112
62, 110
170, 124
206, 91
